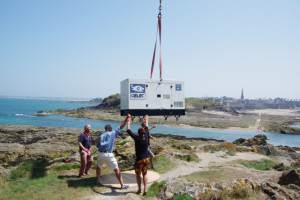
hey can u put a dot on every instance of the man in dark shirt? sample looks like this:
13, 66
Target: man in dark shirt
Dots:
145, 125
85, 144
142, 155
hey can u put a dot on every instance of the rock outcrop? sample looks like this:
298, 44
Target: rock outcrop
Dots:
238, 189
111, 102
290, 177
277, 192
19, 143
255, 141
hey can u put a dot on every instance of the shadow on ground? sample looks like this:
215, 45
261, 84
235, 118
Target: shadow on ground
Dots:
82, 182
39, 168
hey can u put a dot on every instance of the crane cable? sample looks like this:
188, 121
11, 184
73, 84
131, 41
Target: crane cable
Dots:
158, 33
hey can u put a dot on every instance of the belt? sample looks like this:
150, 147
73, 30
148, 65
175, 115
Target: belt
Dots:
104, 152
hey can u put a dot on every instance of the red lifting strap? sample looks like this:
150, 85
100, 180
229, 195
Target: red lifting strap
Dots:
155, 46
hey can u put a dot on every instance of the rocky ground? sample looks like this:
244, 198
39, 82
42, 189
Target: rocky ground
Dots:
189, 168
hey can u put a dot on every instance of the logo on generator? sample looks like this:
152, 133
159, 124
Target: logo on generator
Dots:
137, 91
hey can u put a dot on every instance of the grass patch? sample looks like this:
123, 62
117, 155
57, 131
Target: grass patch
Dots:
262, 165
21, 171
188, 157
214, 175
31, 180
156, 188
49, 187
32, 168
240, 189
182, 197
227, 147
162, 164
64, 167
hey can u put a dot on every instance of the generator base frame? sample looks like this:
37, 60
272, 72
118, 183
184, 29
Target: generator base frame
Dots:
153, 112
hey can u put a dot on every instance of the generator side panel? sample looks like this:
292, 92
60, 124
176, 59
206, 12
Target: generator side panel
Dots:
124, 95
178, 96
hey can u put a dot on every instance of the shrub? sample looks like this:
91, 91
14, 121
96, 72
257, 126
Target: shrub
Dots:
263, 164
188, 157
156, 188
182, 197
21, 171
162, 164
228, 147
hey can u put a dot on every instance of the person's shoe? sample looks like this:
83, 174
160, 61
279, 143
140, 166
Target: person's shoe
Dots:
124, 187
99, 183
139, 192
145, 193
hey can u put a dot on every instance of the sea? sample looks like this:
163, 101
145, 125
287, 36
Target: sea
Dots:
19, 111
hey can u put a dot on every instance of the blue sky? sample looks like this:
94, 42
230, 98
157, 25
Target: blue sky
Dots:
72, 48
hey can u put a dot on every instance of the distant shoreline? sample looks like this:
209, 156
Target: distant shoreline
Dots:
67, 99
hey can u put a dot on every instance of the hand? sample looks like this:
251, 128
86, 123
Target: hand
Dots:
86, 150
129, 118
89, 152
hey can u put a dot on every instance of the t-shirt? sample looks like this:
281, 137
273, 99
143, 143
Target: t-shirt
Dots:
85, 140
141, 146
107, 141
147, 135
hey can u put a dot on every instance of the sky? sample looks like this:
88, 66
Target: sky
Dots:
83, 49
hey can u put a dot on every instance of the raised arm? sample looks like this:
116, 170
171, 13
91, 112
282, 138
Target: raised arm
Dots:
129, 126
146, 120
124, 122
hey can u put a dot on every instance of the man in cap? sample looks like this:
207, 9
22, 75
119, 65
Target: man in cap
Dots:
106, 145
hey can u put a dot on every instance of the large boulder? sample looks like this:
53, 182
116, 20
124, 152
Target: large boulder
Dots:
255, 141
290, 177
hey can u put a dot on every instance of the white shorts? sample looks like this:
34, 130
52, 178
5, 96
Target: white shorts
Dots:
109, 159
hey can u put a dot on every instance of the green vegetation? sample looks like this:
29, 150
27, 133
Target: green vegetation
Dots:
188, 157
33, 168
227, 147
155, 188
263, 164
21, 171
112, 101
64, 167
237, 191
182, 197
199, 103
31, 180
162, 164
214, 175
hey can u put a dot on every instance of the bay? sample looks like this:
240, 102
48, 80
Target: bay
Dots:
21, 112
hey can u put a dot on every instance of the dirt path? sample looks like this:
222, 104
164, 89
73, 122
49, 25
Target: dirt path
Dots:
207, 160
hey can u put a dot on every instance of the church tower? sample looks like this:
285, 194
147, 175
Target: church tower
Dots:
242, 94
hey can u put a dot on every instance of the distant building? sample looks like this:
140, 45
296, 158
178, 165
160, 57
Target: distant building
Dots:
242, 94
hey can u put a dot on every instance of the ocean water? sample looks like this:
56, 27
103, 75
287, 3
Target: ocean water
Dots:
20, 112
296, 125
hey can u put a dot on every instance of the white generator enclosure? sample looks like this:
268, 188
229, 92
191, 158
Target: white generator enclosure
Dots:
154, 98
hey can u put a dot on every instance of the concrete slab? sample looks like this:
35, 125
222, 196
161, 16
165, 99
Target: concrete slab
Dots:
129, 178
